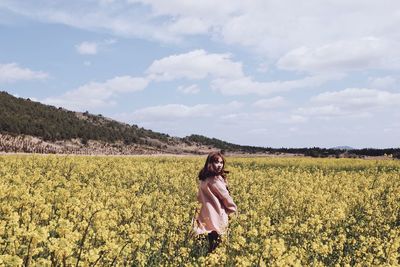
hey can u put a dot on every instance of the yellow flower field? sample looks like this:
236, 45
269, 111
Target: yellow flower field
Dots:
137, 211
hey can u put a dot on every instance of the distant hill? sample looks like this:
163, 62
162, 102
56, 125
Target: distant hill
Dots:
51, 126
23, 116
29, 126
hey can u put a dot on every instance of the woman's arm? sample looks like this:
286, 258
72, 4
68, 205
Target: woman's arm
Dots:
220, 190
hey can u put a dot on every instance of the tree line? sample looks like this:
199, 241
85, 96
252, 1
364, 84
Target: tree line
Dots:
316, 152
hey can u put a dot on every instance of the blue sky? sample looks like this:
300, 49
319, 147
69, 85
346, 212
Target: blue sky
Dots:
266, 73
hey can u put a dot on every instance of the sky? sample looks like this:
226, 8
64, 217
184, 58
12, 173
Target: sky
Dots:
265, 73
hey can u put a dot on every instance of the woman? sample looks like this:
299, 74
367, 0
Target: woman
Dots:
216, 202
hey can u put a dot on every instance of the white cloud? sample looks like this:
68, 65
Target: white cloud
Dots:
188, 26
270, 103
87, 48
297, 119
117, 17
365, 53
247, 85
322, 111
256, 118
11, 72
173, 112
385, 82
275, 27
92, 48
226, 75
358, 98
197, 64
271, 28
95, 94
125, 84
191, 89
350, 103
180, 8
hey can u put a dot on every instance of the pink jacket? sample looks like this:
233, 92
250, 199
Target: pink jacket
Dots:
216, 204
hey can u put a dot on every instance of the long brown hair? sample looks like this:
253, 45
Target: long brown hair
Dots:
208, 170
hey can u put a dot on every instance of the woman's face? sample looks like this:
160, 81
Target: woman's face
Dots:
218, 164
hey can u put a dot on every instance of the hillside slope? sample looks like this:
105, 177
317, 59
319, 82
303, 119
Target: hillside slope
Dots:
29, 126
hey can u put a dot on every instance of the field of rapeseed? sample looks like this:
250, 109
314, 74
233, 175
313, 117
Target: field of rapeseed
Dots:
137, 211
